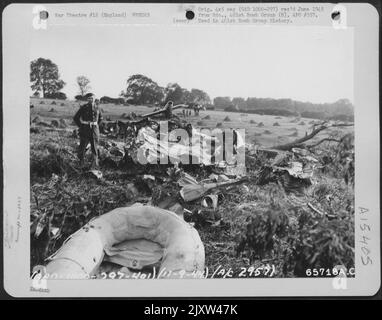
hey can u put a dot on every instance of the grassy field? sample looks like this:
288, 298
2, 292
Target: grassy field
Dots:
273, 130
271, 226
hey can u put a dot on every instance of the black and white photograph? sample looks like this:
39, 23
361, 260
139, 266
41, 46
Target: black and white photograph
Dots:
96, 92
190, 150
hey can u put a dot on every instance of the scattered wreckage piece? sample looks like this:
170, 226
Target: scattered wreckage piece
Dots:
193, 192
197, 148
154, 150
186, 179
294, 177
210, 201
296, 169
163, 111
83, 252
95, 173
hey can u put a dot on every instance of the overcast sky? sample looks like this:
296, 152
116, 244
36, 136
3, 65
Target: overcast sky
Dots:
302, 63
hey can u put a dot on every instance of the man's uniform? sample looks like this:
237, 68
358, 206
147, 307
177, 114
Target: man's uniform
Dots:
87, 118
168, 110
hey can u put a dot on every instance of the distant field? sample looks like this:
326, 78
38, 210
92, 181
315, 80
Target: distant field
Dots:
267, 134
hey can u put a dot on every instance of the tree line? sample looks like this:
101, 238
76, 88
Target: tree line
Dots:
341, 109
141, 90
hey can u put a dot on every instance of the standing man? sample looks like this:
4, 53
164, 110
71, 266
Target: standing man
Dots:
168, 109
88, 118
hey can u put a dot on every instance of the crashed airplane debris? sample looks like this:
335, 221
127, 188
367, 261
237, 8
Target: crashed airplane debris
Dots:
168, 166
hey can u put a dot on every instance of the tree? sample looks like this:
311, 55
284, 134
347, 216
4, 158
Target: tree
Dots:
200, 97
222, 102
83, 84
176, 93
45, 77
240, 103
143, 90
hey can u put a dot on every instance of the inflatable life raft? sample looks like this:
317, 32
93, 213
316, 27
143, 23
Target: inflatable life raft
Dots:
133, 237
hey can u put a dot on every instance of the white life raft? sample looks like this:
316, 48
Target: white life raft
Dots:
134, 237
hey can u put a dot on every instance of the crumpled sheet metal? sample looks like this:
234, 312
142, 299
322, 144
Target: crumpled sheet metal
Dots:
296, 170
210, 201
186, 179
304, 155
155, 149
167, 148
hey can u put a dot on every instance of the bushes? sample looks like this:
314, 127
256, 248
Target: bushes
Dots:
296, 237
80, 98
319, 242
261, 229
56, 95
106, 99
49, 157
314, 230
55, 123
